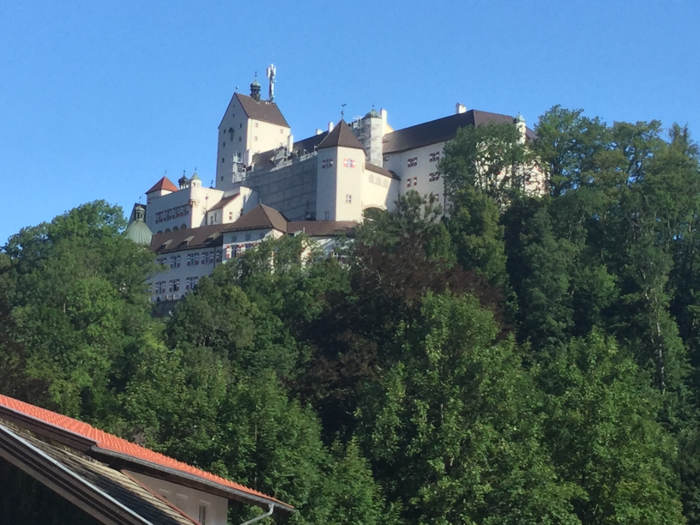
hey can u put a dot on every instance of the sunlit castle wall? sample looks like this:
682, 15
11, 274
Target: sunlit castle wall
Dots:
241, 136
418, 170
379, 190
186, 207
339, 187
290, 188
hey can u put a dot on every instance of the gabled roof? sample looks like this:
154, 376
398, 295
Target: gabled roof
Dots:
382, 171
103, 445
261, 217
105, 493
163, 184
308, 144
208, 236
262, 110
340, 136
441, 130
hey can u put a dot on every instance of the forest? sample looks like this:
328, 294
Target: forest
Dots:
518, 359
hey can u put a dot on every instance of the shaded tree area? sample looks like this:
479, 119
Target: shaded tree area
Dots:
515, 358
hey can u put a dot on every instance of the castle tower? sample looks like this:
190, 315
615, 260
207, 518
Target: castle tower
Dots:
249, 126
340, 165
371, 133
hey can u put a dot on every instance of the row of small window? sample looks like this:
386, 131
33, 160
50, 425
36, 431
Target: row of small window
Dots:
432, 157
236, 250
247, 236
192, 259
413, 181
172, 213
347, 163
175, 228
173, 285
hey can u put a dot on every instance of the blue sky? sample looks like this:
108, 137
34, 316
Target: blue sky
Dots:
99, 99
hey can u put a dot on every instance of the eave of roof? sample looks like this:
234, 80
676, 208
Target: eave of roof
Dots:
107, 444
382, 171
103, 492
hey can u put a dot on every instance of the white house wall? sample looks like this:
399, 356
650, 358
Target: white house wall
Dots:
378, 191
348, 196
326, 183
182, 270
186, 207
418, 170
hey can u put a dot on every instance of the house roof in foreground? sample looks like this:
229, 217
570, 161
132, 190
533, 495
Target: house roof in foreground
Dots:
110, 449
107, 494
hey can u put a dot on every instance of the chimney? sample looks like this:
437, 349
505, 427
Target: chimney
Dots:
330, 126
521, 127
460, 108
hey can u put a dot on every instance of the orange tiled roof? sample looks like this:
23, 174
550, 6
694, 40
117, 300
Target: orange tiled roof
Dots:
110, 442
163, 184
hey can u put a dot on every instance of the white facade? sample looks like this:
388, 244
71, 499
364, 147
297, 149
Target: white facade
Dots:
240, 137
185, 208
325, 177
203, 507
418, 169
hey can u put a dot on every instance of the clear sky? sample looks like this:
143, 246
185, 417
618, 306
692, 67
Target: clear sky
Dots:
99, 99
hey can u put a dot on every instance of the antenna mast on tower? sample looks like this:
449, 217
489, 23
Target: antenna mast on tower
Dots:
271, 72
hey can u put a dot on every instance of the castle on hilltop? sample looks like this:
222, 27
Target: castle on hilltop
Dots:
268, 185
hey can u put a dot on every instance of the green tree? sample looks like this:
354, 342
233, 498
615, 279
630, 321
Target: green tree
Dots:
78, 307
452, 428
601, 428
491, 158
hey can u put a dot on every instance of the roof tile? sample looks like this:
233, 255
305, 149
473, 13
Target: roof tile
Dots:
163, 184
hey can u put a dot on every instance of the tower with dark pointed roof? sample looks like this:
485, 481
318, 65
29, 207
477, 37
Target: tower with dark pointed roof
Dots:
340, 171
249, 126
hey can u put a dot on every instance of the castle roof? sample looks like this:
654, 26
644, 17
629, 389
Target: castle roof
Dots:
340, 136
442, 129
164, 184
262, 110
382, 171
259, 218
309, 144
139, 232
108, 448
208, 236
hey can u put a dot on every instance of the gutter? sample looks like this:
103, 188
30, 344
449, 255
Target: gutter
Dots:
262, 516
